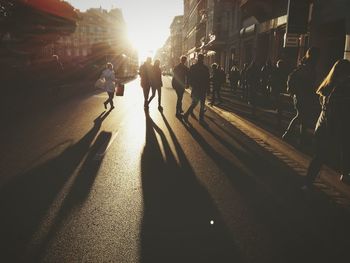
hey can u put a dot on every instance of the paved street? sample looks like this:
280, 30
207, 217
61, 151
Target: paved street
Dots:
80, 184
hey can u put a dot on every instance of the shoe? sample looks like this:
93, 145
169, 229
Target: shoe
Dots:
112, 107
345, 178
105, 104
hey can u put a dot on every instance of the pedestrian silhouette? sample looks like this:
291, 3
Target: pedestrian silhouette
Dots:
333, 123
252, 77
156, 83
216, 81
300, 85
145, 75
109, 75
179, 83
243, 82
279, 78
198, 78
234, 77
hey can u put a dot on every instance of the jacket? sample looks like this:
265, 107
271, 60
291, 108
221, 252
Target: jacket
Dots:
109, 76
179, 80
198, 78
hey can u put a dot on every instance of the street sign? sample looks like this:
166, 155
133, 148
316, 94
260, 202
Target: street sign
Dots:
291, 40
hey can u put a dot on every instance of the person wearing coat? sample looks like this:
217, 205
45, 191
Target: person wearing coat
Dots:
199, 80
109, 75
333, 124
145, 75
234, 77
179, 83
156, 83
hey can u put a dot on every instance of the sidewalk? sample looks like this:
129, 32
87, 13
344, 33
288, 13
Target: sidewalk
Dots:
262, 129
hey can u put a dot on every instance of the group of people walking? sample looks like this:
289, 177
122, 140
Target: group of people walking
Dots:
269, 80
333, 124
151, 79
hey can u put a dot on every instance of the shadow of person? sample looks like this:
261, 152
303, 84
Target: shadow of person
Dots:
177, 209
26, 201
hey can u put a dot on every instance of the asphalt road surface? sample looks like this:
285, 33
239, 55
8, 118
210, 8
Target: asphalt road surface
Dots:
81, 184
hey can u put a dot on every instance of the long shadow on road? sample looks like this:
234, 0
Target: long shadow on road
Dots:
26, 201
301, 228
177, 209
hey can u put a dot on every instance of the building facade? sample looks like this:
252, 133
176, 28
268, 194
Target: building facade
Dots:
97, 29
176, 31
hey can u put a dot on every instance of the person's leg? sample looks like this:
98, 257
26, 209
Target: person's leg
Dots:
191, 108
159, 89
218, 94
145, 95
202, 109
153, 94
319, 156
180, 94
110, 99
293, 122
213, 95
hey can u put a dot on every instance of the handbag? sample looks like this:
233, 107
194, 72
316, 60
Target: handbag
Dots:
100, 83
119, 90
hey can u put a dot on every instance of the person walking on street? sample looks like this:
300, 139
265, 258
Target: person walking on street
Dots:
216, 81
145, 75
333, 124
156, 83
198, 78
234, 77
265, 78
252, 83
179, 83
278, 83
109, 75
300, 85
243, 82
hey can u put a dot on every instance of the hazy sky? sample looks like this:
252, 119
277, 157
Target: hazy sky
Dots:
148, 21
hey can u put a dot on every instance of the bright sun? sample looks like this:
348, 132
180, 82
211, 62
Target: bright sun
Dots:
144, 43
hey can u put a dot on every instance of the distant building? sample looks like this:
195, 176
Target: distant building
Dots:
96, 29
164, 55
176, 30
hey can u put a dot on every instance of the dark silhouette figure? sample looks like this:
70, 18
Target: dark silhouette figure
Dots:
253, 82
179, 83
300, 85
216, 81
198, 78
234, 77
243, 82
333, 123
145, 75
265, 78
278, 82
156, 83
109, 75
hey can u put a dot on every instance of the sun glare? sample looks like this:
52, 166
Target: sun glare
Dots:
144, 43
